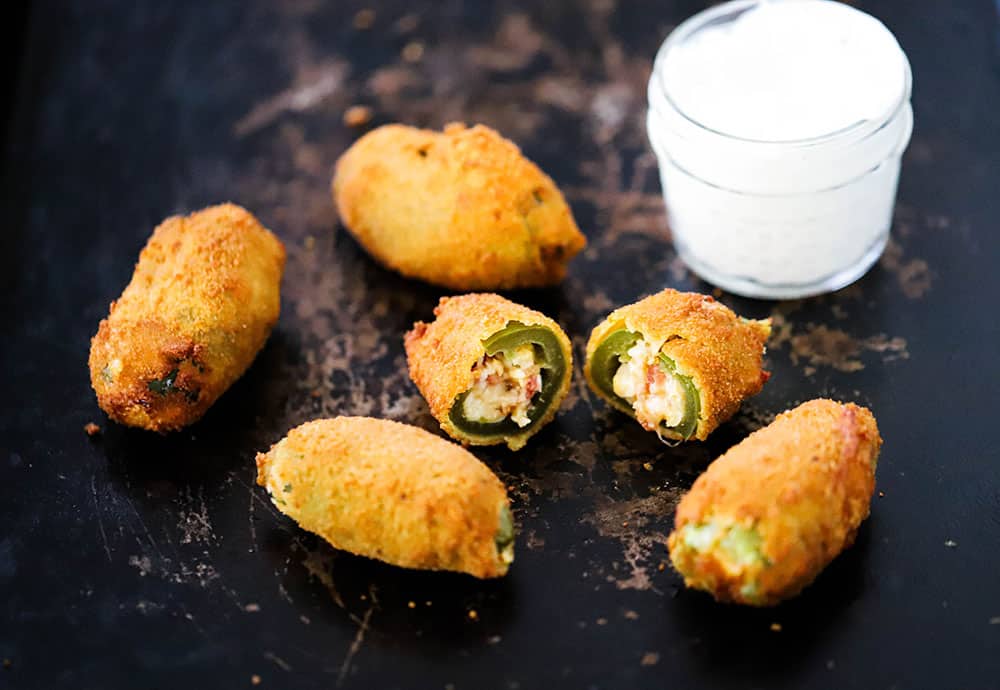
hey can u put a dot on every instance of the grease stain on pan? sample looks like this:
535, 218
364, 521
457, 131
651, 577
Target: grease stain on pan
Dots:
635, 525
177, 572
193, 520
818, 345
913, 275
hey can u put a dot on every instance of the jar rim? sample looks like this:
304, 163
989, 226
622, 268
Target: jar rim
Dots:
862, 128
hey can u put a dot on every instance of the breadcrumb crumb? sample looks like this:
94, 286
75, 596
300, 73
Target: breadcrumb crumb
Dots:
357, 116
91, 429
413, 51
364, 19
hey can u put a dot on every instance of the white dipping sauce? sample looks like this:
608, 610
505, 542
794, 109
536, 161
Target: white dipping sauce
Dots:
779, 128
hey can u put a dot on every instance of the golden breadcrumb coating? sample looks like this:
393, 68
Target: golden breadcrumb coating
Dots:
201, 303
767, 516
721, 352
391, 491
462, 209
441, 356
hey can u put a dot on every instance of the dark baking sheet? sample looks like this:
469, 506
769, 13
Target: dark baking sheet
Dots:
137, 561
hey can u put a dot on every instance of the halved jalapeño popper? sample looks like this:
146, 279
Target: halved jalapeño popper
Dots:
492, 371
680, 363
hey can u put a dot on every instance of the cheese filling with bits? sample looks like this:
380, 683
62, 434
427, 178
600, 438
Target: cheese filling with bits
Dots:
654, 393
505, 385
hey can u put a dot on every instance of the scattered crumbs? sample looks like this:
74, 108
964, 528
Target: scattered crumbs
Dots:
625, 524
309, 243
493, 639
364, 19
717, 293
413, 51
881, 494
91, 429
316, 393
662, 566
775, 627
830, 664
252, 608
305, 619
473, 615
648, 466
357, 116
995, 620
951, 544
255, 679
601, 621
364, 597
631, 615
649, 659
411, 604
427, 603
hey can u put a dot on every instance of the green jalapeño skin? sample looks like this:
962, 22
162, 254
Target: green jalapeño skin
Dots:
679, 363
492, 371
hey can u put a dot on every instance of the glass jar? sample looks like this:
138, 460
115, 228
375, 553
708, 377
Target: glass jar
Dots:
775, 218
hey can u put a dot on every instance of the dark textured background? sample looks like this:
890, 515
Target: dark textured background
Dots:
137, 561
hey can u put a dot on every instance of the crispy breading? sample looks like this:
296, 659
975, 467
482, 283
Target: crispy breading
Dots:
795, 491
721, 352
390, 491
441, 355
202, 301
463, 209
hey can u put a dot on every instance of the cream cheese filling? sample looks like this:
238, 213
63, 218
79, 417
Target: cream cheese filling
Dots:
654, 393
505, 384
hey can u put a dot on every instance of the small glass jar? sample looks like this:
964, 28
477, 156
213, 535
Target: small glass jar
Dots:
775, 218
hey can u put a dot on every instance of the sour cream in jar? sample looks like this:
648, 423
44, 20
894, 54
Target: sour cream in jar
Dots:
779, 127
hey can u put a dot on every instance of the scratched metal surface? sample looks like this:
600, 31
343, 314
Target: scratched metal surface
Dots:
136, 561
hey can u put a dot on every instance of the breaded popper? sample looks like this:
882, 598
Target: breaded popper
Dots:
680, 363
462, 208
394, 492
201, 303
768, 515
492, 371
